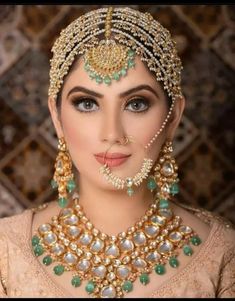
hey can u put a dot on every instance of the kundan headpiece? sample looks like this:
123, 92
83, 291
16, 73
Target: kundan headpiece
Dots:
108, 39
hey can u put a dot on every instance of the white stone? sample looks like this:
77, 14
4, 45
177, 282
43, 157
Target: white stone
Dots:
139, 263
100, 271
97, 246
108, 292
83, 265
139, 238
58, 249
123, 272
71, 220
165, 247
153, 256
85, 239
50, 238
74, 231
70, 258
175, 236
126, 245
112, 251
151, 230
44, 228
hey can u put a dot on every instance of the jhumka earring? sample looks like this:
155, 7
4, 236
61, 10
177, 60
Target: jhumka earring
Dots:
63, 178
165, 178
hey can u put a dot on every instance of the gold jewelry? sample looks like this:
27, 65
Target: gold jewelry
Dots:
63, 176
165, 176
128, 182
111, 264
133, 32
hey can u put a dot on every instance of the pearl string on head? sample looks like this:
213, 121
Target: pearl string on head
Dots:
162, 127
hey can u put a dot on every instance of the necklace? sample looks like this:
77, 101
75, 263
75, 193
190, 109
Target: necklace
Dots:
111, 264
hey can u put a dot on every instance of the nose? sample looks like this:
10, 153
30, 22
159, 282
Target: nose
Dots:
112, 130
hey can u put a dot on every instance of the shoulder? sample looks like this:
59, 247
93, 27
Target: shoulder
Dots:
15, 225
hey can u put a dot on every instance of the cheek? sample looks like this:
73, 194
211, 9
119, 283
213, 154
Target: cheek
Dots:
79, 133
144, 127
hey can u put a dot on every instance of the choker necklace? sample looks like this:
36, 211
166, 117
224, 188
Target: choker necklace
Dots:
111, 264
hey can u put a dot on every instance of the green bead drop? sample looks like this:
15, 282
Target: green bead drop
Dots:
47, 260
98, 79
71, 185
116, 76
127, 286
123, 71
76, 281
62, 202
174, 263
54, 184
130, 52
90, 287
196, 240
144, 279
130, 191
35, 240
38, 250
160, 269
131, 63
107, 80
163, 204
187, 250
174, 189
151, 184
59, 270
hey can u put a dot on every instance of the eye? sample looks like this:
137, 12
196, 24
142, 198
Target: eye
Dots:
138, 105
85, 104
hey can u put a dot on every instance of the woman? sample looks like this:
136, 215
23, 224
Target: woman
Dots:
115, 101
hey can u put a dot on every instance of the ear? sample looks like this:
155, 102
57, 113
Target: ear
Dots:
55, 117
175, 117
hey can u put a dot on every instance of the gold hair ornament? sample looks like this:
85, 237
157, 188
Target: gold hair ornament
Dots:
132, 32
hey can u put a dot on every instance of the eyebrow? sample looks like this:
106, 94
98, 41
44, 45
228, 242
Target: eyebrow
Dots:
123, 94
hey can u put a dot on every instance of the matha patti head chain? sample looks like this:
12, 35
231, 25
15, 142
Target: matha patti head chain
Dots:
110, 264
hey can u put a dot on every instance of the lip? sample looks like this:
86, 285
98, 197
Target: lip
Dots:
113, 159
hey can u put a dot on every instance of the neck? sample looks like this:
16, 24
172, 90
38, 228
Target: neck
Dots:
113, 211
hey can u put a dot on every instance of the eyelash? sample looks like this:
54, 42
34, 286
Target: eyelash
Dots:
77, 101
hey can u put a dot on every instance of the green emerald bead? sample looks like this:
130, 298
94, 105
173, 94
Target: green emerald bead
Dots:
54, 184
92, 75
196, 240
127, 286
98, 79
47, 260
116, 76
160, 269
35, 240
187, 250
131, 52
71, 185
123, 71
163, 204
62, 202
87, 67
90, 287
151, 184
131, 63
144, 279
130, 191
59, 270
107, 80
38, 250
174, 189
174, 263
76, 281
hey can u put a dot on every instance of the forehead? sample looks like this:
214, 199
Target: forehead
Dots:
138, 75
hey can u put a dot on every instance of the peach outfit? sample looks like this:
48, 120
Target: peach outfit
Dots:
211, 273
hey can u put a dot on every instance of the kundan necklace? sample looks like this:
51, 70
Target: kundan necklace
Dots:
111, 264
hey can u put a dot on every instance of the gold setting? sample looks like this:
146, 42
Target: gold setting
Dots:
108, 261
131, 29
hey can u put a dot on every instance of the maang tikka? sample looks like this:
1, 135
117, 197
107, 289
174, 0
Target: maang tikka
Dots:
63, 178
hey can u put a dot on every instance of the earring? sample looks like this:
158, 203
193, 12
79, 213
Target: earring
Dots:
165, 178
63, 176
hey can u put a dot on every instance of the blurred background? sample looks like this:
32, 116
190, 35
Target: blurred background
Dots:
204, 144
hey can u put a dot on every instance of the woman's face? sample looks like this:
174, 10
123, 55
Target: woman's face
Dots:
95, 118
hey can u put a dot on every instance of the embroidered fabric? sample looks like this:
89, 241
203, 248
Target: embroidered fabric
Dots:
210, 273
